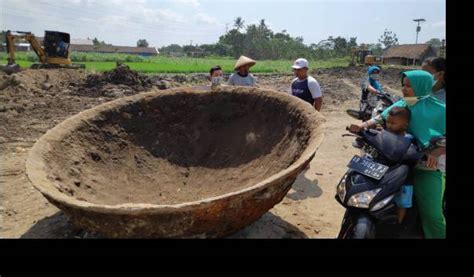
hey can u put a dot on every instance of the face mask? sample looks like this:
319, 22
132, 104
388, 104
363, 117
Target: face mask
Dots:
375, 76
410, 100
216, 80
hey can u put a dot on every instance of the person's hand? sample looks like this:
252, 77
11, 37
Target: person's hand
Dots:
353, 128
432, 161
438, 151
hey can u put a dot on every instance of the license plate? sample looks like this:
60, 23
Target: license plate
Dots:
367, 167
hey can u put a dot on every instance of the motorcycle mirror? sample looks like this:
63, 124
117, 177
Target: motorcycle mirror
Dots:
441, 142
438, 141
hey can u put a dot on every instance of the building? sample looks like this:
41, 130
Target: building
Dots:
18, 47
111, 49
82, 41
87, 46
407, 54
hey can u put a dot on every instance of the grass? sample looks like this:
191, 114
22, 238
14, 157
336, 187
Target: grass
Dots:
162, 64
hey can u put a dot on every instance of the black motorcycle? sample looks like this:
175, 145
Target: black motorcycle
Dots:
368, 109
368, 188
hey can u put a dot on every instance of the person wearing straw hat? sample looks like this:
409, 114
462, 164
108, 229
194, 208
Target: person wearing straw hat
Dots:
242, 77
305, 87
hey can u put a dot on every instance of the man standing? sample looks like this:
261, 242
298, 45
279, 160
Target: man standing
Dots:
242, 77
305, 87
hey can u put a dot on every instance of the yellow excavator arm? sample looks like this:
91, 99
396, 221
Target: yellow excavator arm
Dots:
10, 38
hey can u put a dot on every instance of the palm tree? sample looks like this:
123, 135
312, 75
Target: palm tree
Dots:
239, 23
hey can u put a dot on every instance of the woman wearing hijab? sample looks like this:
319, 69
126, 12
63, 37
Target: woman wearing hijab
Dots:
428, 119
370, 85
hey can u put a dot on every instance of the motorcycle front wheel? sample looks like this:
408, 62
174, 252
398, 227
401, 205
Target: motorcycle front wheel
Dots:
354, 114
361, 227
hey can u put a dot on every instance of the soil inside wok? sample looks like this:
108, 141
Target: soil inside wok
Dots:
178, 148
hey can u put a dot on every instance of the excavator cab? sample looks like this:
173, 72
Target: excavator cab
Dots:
358, 56
364, 56
56, 44
373, 60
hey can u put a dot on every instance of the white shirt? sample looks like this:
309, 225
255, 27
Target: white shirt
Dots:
313, 87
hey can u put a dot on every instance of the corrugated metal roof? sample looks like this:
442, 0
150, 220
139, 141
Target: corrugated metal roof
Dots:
113, 49
407, 51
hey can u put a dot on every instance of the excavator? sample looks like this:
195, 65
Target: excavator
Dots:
364, 56
53, 54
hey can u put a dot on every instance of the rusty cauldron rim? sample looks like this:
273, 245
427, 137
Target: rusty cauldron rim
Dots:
35, 164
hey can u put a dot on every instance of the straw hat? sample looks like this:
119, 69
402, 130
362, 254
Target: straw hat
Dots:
243, 61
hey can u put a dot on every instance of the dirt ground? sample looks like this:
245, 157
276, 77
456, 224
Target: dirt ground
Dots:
33, 101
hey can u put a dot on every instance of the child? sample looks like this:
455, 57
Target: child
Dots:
397, 123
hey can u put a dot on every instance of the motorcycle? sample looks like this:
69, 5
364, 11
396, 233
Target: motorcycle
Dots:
369, 108
368, 188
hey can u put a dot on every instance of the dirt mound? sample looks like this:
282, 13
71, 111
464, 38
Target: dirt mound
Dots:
34, 100
118, 82
40, 79
120, 75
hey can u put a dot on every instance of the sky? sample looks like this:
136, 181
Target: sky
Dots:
162, 22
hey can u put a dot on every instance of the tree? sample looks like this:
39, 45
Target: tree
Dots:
377, 49
435, 42
235, 39
96, 42
282, 35
2, 36
239, 23
352, 43
172, 48
340, 46
388, 39
259, 42
264, 30
142, 43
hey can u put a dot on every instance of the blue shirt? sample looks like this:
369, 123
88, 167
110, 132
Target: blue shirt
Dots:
306, 90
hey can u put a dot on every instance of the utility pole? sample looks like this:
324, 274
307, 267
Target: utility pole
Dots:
442, 49
418, 29
226, 27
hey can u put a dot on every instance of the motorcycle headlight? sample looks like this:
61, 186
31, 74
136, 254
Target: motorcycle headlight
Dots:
382, 203
363, 199
341, 189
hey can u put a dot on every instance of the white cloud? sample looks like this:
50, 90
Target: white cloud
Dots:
194, 3
439, 24
202, 17
116, 21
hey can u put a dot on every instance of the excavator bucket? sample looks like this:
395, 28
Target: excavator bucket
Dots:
10, 68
